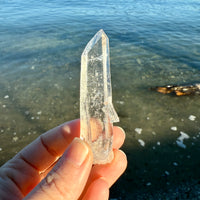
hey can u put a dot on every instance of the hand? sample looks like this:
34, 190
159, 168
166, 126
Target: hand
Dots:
58, 165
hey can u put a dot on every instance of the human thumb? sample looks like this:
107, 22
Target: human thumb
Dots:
68, 177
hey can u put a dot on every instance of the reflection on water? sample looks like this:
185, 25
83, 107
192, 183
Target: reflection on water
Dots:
152, 43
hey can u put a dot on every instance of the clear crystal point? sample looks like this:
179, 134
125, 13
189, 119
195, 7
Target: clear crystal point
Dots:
97, 113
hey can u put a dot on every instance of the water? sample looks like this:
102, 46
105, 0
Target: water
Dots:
152, 43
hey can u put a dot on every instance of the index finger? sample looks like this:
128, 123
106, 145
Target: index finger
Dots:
47, 148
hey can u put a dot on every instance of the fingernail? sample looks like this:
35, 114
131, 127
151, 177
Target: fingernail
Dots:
77, 152
122, 130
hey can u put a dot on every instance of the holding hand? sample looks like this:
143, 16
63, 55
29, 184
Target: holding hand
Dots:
58, 165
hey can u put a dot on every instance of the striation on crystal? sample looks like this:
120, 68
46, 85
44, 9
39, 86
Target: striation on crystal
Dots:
97, 113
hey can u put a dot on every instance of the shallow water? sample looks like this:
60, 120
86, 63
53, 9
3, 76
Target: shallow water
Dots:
152, 43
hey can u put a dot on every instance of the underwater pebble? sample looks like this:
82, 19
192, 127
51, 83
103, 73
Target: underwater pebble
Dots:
32, 67
15, 139
138, 61
175, 163
167, 173
180, 144
14, 133
183, 136
153, 147
188, 156
6, 97
148, 118
138, 130
2, 130
32, 117
3, 106
192, 117
158, 143
154, 133
29, 133
174, 128
180, 139
50, 119
120, 102
27, 112
142, 143
0, 149
148, 184
56, 85
39, 112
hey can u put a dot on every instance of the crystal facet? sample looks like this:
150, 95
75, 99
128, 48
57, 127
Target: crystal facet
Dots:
97, 113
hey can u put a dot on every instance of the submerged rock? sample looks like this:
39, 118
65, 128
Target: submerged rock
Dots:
179, 90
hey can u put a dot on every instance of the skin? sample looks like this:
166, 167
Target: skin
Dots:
58, 165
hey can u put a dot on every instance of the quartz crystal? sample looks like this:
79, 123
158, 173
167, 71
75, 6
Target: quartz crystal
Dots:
97, 113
